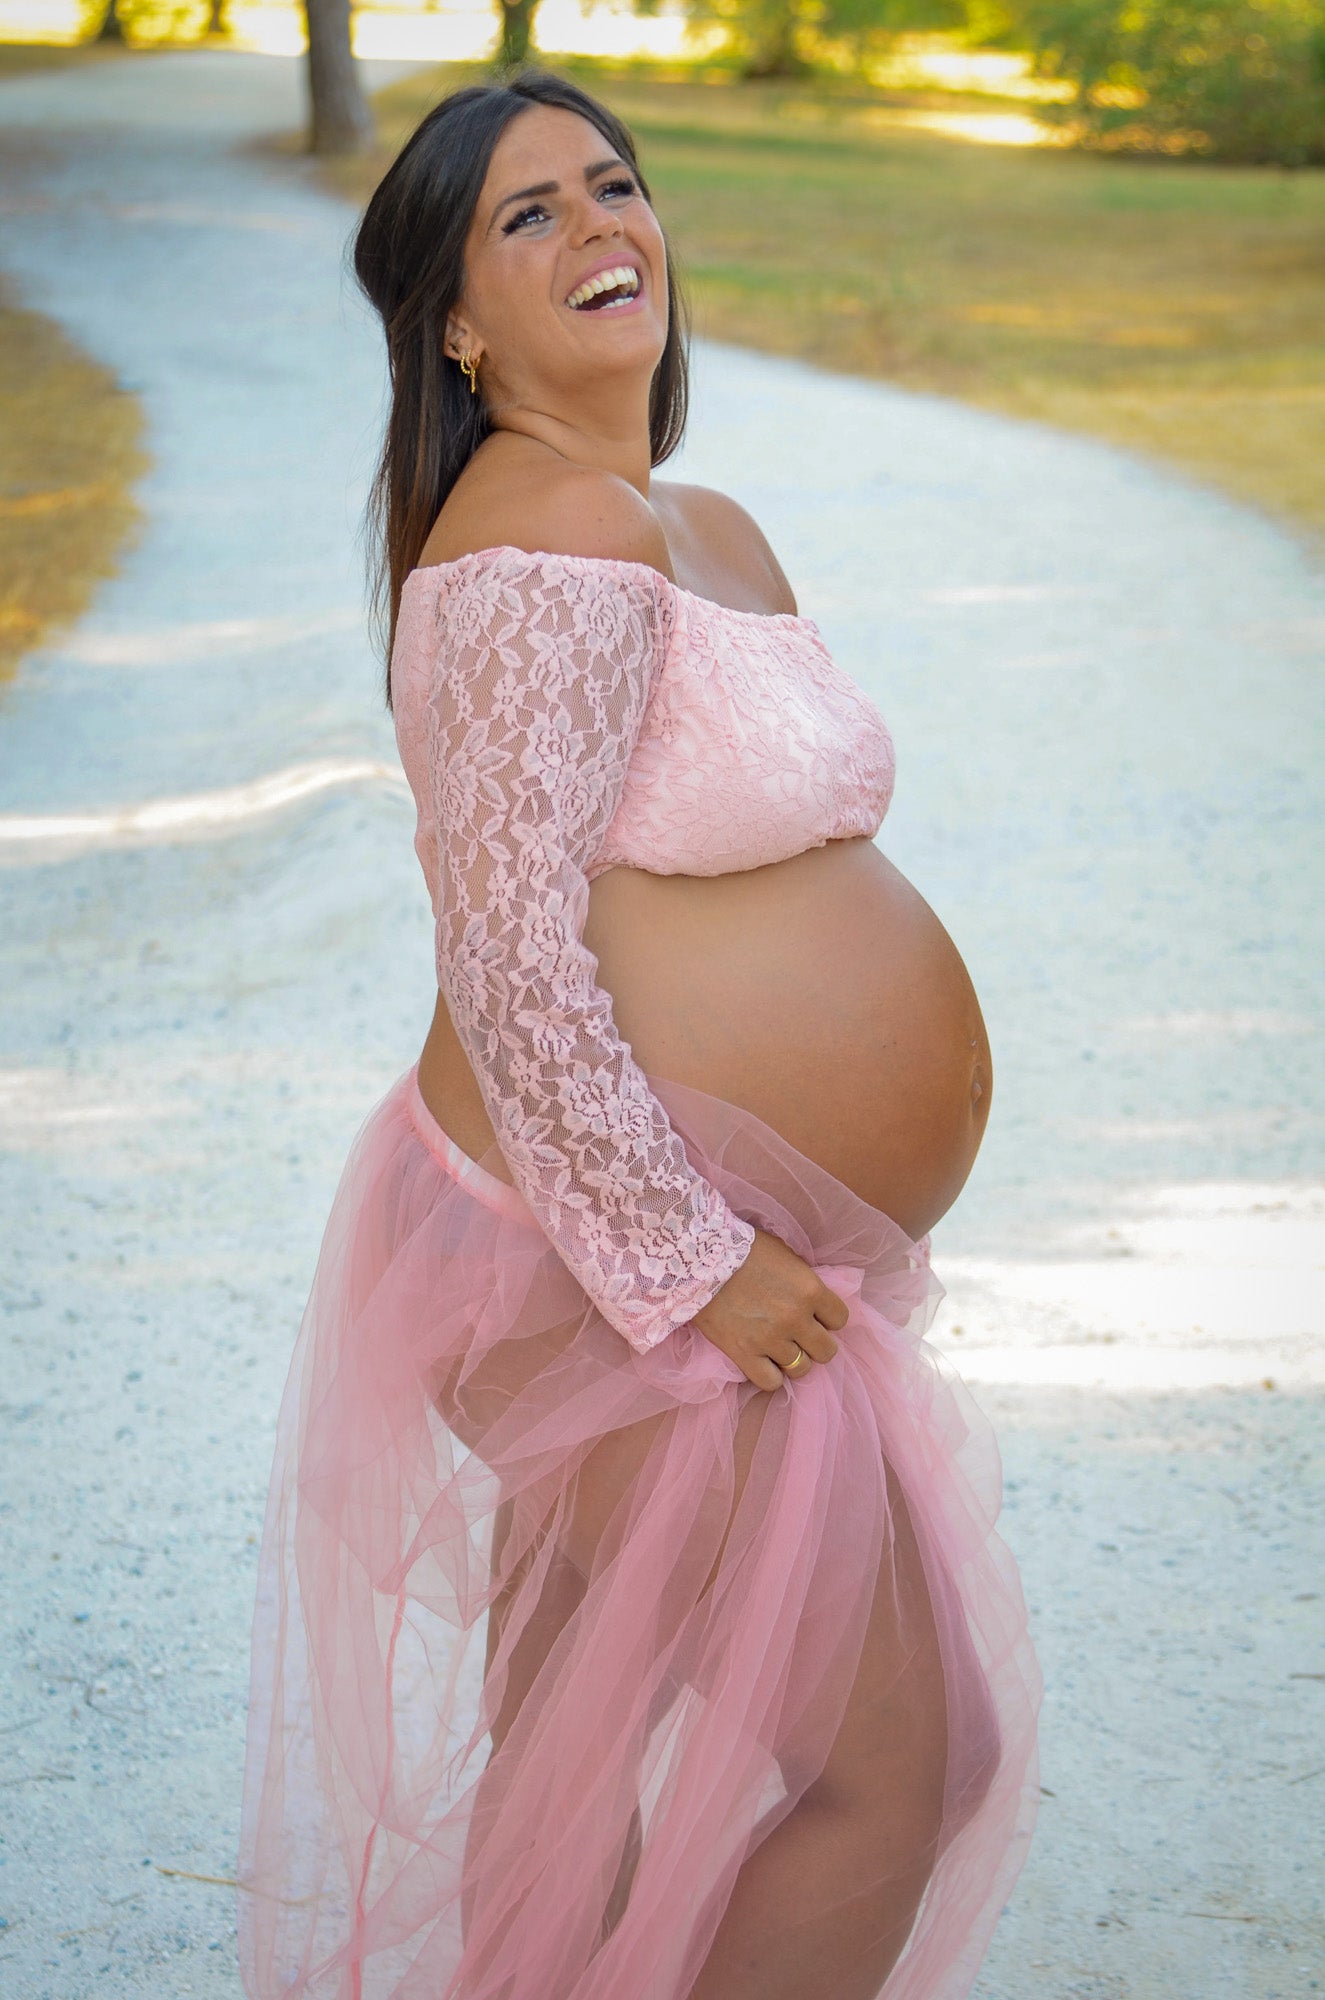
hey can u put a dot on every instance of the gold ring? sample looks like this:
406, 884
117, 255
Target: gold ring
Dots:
793, 1368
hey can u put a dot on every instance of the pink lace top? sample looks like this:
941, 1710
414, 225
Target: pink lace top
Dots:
558, 716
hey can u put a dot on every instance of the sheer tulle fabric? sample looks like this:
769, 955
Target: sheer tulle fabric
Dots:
586, 1673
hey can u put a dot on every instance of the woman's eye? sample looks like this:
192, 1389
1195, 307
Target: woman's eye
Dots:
521, 217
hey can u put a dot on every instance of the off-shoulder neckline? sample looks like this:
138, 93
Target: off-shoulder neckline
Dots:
621, 562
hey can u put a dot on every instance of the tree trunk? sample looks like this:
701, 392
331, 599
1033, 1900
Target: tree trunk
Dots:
112, 27
517, 32
771, 41
340, 121
216, 17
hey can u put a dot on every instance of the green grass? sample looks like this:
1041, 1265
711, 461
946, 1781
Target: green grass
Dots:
1164, 304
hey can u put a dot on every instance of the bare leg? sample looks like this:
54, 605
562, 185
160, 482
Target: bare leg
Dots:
604, 1476
826, 1902
564, 1584
562, 1591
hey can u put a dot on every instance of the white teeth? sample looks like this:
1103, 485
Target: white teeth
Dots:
603, 281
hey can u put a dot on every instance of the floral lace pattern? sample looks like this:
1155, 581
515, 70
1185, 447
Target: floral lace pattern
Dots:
556, 716
756, 746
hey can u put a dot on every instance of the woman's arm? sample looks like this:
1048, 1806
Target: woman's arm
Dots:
543, 674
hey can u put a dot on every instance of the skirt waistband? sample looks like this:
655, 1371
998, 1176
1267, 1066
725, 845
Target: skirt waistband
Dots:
476, 1180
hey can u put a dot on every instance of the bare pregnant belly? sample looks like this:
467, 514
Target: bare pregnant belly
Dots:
821, 993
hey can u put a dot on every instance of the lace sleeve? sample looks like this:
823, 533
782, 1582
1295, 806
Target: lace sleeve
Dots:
543, 676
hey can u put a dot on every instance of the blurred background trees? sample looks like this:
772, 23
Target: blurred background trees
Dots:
339, 117
516, 43
1233, 80
1101, 214
1236, 79
340, 120
132, 20
789, 38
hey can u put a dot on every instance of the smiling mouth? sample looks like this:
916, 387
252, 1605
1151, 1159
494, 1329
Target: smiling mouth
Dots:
606, 290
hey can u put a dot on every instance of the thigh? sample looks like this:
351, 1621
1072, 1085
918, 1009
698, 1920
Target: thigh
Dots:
549, 1605
608, 1478
889, 1758
543, 1586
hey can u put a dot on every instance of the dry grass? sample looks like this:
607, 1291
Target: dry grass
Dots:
19, 58
1164, 304
70, 451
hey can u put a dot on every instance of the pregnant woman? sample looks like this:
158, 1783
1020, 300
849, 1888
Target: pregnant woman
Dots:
631, 1623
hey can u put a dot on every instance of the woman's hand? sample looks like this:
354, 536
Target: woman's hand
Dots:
772, 1303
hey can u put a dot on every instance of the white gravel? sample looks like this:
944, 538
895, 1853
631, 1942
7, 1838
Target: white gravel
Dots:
1105, 685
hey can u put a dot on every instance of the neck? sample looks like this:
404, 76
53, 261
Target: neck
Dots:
608, 433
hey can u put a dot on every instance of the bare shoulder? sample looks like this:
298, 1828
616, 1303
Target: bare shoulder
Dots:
718, 533
533, 499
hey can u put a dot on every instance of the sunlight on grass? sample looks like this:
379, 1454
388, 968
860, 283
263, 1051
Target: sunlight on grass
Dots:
70, 450
984, 128
927, 62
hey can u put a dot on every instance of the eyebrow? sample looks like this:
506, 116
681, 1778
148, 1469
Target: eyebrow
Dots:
553, 187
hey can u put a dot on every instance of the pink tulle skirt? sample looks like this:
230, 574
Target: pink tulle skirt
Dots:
585, 1674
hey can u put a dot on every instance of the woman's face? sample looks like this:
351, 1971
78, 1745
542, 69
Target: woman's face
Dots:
528, 254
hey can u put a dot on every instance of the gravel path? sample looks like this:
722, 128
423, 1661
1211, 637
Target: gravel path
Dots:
1104, 681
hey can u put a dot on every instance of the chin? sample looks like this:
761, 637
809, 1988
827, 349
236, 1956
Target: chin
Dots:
624, 356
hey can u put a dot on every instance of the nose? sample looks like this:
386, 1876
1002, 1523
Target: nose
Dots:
595, 220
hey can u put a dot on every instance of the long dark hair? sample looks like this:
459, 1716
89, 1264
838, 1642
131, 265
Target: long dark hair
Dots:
409, 258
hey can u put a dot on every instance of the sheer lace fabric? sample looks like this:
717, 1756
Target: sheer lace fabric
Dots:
557, 716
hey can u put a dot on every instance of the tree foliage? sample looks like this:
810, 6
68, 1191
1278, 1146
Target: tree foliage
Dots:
1236, 79
788, 38
145, 20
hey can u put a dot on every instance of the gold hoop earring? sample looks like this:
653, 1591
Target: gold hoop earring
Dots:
469, 369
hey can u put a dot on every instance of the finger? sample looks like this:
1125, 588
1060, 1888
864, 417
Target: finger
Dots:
765, 1373
790, 1354
831, 1311
818, 1343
